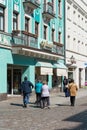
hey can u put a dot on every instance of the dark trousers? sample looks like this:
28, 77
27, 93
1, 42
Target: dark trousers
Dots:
38, 99
72, 100
45, 102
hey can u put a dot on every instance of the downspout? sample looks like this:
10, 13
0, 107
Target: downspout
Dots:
64, 32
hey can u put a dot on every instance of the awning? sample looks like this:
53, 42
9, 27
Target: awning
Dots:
61, 69
45, 68
44, 64
60, 65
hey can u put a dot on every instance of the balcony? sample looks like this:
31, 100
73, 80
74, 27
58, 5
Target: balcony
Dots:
48, 12
22, 39
58, 48
27, 44
30, 5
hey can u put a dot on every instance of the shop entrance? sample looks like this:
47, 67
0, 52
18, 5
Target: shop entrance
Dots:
13, 80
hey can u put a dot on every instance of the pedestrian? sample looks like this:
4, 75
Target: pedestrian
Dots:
38, 88
73, 90
45, 96
65, 85
26, 90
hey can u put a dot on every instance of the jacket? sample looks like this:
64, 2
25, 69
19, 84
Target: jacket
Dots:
38, 87
26, 87
45, 91
72, 89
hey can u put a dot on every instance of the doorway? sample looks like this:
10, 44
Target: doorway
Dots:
80, 71
14, 81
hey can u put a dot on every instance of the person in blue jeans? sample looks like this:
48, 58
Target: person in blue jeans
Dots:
38, 88
26, 90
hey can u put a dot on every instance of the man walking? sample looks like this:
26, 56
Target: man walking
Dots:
26, 90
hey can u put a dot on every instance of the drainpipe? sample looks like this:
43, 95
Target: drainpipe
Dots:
64, 24
64, 33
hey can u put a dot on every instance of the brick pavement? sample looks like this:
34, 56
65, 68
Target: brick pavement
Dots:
61, 116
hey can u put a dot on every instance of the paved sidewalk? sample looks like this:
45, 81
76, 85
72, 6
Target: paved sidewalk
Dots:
61, 116
55, 97
59, 98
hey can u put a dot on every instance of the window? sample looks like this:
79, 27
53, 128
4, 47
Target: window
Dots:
45, 32
36, 28
59, 8
2, 19
26, 24
53, 34
15, 21
59, 37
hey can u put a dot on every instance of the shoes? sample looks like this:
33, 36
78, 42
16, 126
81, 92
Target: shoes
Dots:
72, 105
48, 107
25, 106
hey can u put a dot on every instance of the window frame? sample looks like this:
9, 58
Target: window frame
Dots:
15, 21
2, 16
27, 24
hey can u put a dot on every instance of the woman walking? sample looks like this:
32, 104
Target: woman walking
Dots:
45, 95
73, 90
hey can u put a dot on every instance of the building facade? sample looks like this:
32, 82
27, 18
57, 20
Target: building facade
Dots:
31, 43
76, 40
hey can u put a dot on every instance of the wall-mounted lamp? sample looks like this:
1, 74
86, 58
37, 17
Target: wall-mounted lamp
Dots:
72, 59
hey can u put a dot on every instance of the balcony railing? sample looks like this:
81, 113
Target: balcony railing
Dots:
30, 5
58, 48
24, 39
29, 39
48, 11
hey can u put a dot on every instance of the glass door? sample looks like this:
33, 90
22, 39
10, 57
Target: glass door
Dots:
16, 81
13, 81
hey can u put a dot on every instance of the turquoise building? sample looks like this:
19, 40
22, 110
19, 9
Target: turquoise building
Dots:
31, 43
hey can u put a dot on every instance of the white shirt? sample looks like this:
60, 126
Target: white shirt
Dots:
45, 91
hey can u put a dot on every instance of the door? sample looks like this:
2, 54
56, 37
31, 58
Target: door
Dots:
80, 77
9, 81
13, 81
16, 81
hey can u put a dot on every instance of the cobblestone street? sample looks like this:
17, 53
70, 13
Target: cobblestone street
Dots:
61, 116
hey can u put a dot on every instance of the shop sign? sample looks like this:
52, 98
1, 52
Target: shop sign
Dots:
45, 45
46, 71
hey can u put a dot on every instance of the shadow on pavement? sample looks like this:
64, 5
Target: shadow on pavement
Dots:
81, 118
16, 104
62, 104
